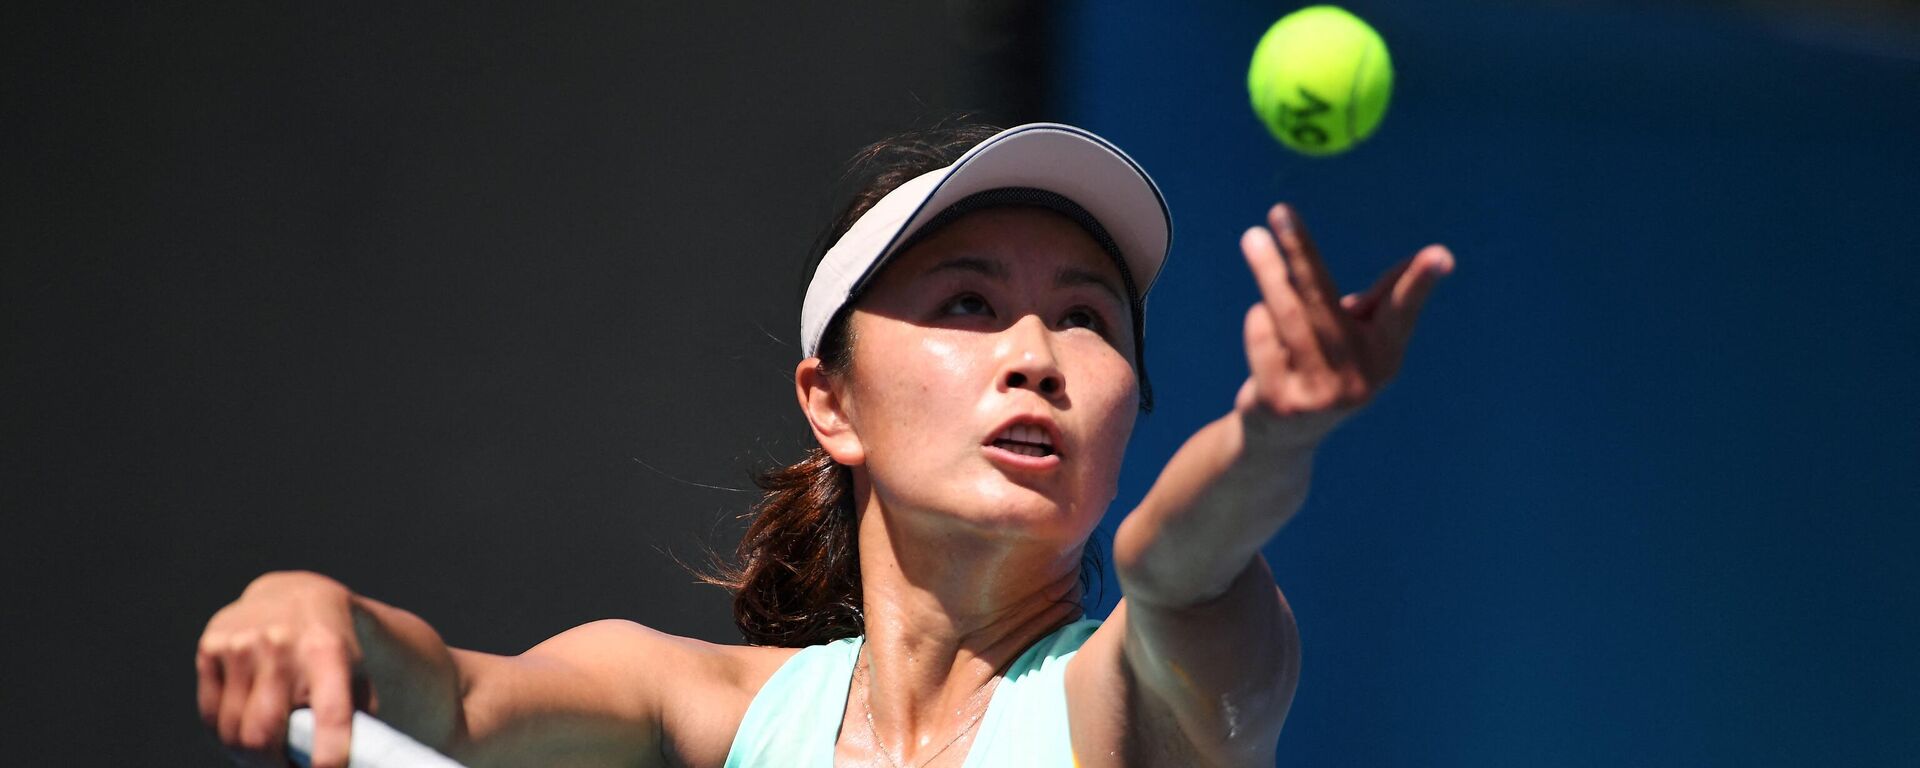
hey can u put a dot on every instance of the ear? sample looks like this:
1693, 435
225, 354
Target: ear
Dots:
826, 413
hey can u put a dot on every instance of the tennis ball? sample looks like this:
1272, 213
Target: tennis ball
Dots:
1320, 80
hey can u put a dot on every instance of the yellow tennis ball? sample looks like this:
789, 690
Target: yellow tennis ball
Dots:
1320, 80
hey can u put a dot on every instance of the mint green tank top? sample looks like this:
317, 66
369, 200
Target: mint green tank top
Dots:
795, 718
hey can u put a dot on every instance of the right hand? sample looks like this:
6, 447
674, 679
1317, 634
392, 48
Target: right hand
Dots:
288, 642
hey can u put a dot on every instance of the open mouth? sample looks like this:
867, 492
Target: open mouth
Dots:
1024, 439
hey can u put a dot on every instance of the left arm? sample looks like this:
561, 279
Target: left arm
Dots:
1207, 638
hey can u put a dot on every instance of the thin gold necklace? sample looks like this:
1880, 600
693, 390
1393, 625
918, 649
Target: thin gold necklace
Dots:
866, 704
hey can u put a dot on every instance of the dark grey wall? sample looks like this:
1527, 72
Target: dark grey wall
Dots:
467, 306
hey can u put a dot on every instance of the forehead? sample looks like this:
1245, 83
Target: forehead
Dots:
1029, 241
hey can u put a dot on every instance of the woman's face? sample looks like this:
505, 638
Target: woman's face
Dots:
993, 377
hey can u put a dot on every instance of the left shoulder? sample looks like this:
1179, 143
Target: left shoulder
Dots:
1208, 684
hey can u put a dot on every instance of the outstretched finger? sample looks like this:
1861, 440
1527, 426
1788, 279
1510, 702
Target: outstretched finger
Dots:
1288, 317
1309, 272
1402, 308
1266, 356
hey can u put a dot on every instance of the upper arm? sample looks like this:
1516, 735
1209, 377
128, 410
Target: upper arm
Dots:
592, 694
1207, 683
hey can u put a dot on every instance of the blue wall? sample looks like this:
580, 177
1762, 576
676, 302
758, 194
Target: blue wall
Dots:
1646, 490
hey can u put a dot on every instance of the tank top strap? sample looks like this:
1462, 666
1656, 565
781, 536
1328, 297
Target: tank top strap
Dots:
795, 718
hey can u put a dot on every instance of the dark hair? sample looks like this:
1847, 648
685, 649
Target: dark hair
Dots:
796, 579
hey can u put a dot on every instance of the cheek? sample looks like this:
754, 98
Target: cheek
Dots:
929, 385
944, 368
1117, 430
1112, 384
942, 363
1112, 400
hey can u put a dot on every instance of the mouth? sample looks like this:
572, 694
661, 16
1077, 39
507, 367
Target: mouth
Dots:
1025, 440
1030, 438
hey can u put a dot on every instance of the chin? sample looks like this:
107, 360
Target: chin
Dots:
1002, 504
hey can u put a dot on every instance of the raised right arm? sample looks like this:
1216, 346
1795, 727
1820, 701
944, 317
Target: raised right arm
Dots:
292, 639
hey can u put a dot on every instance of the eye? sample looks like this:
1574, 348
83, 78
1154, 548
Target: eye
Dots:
968, 304
1082, 317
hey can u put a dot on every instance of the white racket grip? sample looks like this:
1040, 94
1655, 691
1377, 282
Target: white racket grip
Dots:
375, 744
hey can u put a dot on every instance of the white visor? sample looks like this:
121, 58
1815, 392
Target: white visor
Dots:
1061, 159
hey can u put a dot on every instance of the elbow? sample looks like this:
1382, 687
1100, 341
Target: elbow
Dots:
1243, 727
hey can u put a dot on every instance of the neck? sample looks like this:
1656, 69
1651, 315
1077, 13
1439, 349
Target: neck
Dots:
945, 613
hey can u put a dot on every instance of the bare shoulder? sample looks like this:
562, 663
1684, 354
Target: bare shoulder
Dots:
704, 688
700, 728
632, 650
617, 672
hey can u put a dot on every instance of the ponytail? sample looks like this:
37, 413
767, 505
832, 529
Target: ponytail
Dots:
797, 579
796, 575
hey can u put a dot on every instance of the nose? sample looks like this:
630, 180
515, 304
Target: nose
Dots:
1026, 350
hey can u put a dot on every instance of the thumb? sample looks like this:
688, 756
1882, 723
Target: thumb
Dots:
1362, 305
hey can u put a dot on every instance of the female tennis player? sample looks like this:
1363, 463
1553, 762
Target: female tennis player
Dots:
910, 591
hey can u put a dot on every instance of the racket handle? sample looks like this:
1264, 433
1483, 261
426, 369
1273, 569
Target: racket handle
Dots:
375, 744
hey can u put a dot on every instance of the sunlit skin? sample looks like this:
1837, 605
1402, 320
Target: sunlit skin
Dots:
1005, 313
969, 553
